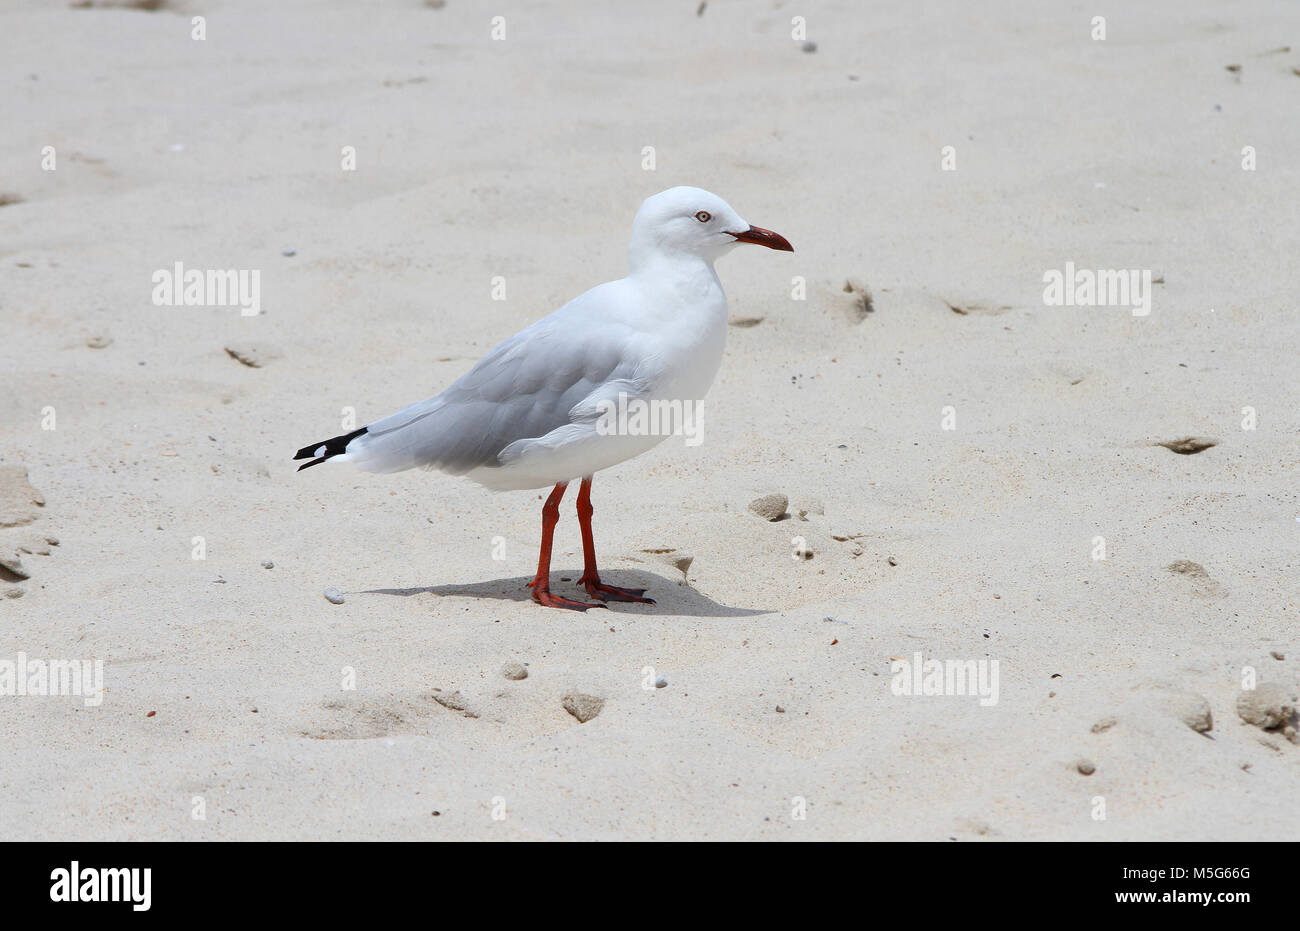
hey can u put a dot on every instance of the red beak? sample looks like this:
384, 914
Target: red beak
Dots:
762, 237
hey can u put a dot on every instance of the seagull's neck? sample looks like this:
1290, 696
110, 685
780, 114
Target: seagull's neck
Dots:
687, 275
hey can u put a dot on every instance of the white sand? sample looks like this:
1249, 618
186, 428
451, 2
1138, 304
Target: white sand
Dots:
522, 158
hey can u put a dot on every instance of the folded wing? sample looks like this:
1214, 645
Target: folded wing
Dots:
525, 388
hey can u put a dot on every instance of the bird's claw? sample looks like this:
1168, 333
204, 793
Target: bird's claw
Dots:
602, 592
548, 600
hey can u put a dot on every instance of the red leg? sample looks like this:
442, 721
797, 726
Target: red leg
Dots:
541, 584
590, 577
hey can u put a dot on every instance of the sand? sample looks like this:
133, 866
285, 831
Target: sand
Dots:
238, 703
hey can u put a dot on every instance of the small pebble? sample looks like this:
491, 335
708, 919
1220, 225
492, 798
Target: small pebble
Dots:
770, 507
582, 707
289, 253
809, 46
267, 564
1194, 711
1170, 699
1189, 446
1268, 705
333, 595
514, 671
14, 566
1276, 655
661, 683
1086, 767
892, 561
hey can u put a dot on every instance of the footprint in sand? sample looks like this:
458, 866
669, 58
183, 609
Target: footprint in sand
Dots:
367, 717
1201, 582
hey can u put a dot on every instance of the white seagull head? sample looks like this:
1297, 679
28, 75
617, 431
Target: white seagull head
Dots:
693, 222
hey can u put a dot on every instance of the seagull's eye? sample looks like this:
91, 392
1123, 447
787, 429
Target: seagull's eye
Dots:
704, 216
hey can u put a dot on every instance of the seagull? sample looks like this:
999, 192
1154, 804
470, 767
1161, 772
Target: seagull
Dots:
535, 412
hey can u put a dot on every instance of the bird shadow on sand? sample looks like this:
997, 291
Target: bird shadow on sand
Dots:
670, 597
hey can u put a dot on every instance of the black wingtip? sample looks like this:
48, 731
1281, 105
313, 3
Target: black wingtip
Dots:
334, 446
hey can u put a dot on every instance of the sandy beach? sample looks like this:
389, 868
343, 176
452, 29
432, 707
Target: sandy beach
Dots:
973, 470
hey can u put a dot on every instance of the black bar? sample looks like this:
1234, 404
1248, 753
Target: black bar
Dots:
337, 879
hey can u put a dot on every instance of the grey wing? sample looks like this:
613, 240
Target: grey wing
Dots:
524, 388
